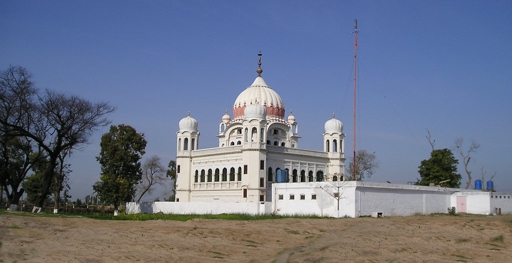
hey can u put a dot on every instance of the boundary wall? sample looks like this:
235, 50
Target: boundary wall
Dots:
346, 199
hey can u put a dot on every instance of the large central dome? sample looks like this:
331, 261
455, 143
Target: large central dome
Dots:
259, 93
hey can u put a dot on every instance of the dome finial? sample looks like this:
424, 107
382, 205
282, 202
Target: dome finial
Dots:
333, 115
259, 70
188, 113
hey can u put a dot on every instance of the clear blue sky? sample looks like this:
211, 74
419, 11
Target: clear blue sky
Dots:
445, 66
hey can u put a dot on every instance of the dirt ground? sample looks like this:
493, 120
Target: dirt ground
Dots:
439, 238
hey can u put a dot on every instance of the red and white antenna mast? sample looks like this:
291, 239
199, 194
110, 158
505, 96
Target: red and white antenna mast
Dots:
355, 94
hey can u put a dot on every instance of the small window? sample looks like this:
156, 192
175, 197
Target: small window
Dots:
245, 169
302, 197
313, 197
292, 197
262, 164
336, 195
262, 198
276, 132
280, 197
262, 182
244, 193
178, 169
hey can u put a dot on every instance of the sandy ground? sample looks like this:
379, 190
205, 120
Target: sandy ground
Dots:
390, 239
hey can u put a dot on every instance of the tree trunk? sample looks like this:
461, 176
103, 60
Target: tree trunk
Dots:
116, 206
47, 181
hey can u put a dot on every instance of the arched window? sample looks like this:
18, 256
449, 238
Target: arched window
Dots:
335, 145
224, 174
327, 145
294, 175
179, 144
335, 178
262, 132
254, 134
232, 174
196, 176
283, 144
209, 175
239, 174
268, 142
185, 144
310, 176
276, 143
232, 143
302, 176
288, 174
239, 143
245, 134
202, 176
193, 145
217, 173
319, 176
269, 175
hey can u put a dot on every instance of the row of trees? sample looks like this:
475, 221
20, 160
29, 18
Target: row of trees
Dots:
39, 130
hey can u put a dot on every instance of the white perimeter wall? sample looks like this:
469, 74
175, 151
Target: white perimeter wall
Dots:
314, 199
355, 199
477, 202
400, 200
197, 208
501, 200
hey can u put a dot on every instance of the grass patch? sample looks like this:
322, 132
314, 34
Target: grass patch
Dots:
15, 227
161, 216
499, 238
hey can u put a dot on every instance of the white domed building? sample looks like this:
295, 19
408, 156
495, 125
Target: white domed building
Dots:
258, 147
258, 168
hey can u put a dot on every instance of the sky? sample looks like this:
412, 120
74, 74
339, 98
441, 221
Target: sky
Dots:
441, 66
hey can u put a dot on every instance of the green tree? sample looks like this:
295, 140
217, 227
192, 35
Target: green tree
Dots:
16, 161
171, 173
366, 165
440, 169
121, 151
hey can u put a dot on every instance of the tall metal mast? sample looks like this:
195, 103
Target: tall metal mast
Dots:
355, 94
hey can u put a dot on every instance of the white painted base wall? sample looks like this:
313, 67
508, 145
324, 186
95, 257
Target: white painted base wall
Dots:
184, 208
345, 199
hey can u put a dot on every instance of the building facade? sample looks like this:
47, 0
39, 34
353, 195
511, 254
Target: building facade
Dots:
257, 147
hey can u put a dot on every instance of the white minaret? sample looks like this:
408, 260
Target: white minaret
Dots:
334, 145
187, 141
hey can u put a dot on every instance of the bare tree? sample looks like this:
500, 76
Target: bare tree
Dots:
465, 154
484, 173
153, 173
366, 165
335, 189
430, 141
56, 122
